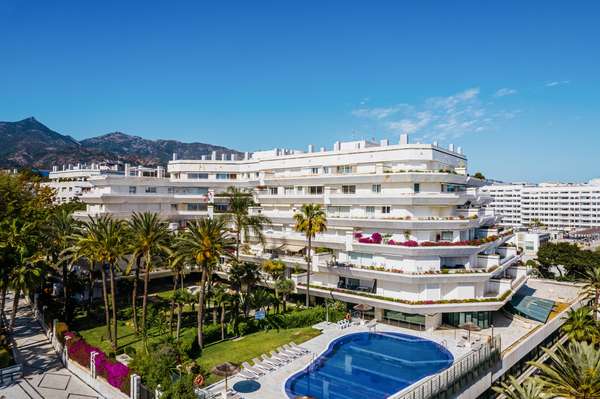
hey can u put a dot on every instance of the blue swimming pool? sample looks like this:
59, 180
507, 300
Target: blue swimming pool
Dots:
369, 366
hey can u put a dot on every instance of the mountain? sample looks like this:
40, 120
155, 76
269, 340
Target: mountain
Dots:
29, 143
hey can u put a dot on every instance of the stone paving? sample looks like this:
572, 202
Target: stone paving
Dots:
44, 376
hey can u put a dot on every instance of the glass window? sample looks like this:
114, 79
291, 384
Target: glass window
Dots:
173, 207
273, 190
326, 169
132, 189
344, 169
370, 210
314, 171
447, 236
315, 190
196, 207
289, 190
222, 176
150, 190
376, 188
417, 187
197, 175
349, 189
386, 209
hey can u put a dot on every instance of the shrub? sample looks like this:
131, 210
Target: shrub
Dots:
309, 317
5, 358
188, 343
61, 329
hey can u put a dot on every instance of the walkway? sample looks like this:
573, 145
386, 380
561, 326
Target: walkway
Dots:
44, 376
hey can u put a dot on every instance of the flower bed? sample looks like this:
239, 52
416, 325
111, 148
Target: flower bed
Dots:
117, 374
376, 238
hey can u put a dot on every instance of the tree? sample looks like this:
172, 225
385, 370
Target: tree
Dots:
310, 220
554, 255
221, 297
479, 175
532, 388
57, 234
240, 202
276, 269
149, 238
243, 277
573, 371
285, 288
202, 244
580, 325
592, 286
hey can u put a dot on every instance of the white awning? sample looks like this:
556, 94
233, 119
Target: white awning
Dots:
294, 248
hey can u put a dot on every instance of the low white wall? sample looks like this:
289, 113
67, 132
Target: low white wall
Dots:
98, 383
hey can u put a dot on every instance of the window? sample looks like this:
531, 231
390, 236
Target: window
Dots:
349, 189
289, 190
370, 211
196, 207
417, 188
273, 190
315, 190
132, 189
197, 175
174, 207
150, 190
376, 188
326, 170
314, 171
386, 209
220, 208
226, 176
447, 236
171, 190
344, 169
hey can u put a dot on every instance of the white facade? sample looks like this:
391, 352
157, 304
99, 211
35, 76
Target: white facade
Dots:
556, 206
406, 231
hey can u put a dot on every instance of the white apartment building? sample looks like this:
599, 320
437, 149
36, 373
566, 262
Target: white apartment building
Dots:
557, 206
407, 231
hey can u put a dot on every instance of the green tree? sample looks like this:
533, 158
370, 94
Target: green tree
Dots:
479, 175
592, 286
276, 269
57, 234
310, 220
149, 238
554, 255
285, 288
240, 202
222, 298
202, 244
573, 371
580, 325
244, 277
532, 388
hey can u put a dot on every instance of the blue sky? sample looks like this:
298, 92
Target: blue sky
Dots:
514, 83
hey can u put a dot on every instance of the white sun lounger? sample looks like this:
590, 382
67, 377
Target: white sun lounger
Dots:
298, 347
297, 351
263, 366
271, 361
247, 375
285, 352
254, 370
277, 356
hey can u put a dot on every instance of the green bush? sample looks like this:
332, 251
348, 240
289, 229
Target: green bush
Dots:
311, 316
5, 358
61, 329
188, 343
182, 388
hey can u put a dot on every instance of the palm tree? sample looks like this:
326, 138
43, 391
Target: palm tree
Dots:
112, 246
532, 388
57, 234
311, 220
149, 238
573, 373
592, 286
221, 297
285, 287
580, 325
240, 201
275, 269
243, 277
86, 244
203, 243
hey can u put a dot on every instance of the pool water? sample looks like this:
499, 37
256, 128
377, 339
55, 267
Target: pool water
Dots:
369, 366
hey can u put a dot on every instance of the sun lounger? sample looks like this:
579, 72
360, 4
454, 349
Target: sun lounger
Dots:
297, 351
298, 347
291, 354
247, 375
254, 370
272, 362
277, 356
263, 366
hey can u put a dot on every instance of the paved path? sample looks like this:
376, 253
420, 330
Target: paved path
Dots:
44, 376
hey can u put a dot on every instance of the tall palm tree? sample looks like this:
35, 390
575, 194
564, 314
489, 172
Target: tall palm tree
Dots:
149, 237
573, 371
244, 277
57, 234
275, 269
532, 388
221, 297
240, 202
310, 220
86, 244
202, 244
592, 286
285, 287
580, 325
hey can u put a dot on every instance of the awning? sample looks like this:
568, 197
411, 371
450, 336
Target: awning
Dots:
293, 248
273, 245
531, 307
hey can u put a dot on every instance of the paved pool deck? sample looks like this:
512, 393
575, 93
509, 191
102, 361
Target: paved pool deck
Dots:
272, 384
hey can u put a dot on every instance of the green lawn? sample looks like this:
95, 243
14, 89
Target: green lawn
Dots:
96, 336
250, 346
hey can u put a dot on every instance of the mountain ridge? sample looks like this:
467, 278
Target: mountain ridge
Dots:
30, 143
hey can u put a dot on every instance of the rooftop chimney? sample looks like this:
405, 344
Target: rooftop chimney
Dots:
174, 156
311, 148
126, 169
55, 168
451, 147
223, 157
459, 150
435, 143
213, 156
322, 149
403, 138
246, 155
384, 142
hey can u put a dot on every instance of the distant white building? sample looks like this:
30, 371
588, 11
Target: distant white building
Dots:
554, 205
407, 232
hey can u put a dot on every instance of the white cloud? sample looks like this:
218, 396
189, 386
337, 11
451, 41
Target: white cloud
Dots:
558, 83
504, 92
440, 117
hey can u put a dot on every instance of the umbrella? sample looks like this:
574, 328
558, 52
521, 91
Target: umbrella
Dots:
225, 370
470, 327
361, 307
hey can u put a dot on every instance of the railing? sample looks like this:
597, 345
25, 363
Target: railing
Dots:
461, 374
